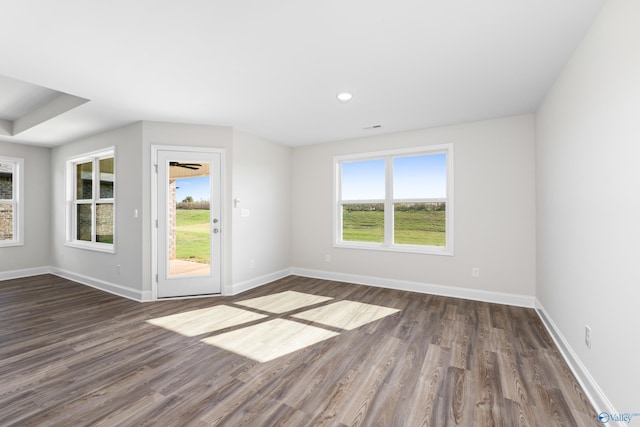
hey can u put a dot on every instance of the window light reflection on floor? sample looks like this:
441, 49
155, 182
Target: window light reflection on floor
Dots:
346, 314
269, 340
205, 320
276, 335
283, 301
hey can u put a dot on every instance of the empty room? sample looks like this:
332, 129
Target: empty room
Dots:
342, 213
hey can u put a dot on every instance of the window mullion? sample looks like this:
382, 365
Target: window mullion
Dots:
77, 203
388, 203
95, 194
14, 204
338, 221
93, 221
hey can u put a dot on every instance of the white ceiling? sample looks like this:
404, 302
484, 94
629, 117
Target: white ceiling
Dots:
273, 68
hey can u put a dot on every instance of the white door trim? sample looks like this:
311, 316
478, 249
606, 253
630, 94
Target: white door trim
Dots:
224, 228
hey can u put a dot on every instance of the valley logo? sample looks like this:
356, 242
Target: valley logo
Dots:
605, 417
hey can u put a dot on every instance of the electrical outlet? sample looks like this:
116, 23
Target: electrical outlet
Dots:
252, 263
587, 336
118, 269
475, 272
327, 258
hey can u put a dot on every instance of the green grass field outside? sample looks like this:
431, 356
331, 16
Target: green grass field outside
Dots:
193, 235
411, 227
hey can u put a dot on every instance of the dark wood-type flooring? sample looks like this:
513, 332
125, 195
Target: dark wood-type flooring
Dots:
72, 355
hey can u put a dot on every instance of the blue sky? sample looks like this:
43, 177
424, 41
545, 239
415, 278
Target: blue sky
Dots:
198, 188
414, 177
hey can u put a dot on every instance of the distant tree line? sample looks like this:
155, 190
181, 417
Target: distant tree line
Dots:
404, 207
428, 207
188, 203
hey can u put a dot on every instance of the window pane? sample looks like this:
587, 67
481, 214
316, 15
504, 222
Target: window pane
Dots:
104, 223
363, 222
420, 224
84, 180
6, 222
83, 218
420, 177
190, 218
363, 180
106, 178
6, 181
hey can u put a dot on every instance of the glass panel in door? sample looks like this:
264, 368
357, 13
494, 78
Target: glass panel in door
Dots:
189, 219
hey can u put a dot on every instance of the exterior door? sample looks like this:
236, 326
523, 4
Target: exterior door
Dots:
189, 223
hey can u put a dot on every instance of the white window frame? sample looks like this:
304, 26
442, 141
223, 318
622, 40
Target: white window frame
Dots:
16, 202
389, 201
72, 201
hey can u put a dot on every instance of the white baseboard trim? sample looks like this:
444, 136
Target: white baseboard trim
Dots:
591, 388
112, 288
425, 288
237, 288
27, 272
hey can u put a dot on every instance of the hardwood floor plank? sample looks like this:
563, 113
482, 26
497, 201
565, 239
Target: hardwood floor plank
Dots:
425, 405
516, 417
72, 355
490, 399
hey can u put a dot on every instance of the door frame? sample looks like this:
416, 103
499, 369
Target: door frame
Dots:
154, 214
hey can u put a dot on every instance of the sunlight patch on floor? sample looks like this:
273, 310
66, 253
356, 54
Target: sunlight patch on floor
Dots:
346, 314
270, 340
283, 301
205, 320
277, 334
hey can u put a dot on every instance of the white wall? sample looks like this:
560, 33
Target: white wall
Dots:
98, 268
34, 254
262, 183
494, 209
588, 202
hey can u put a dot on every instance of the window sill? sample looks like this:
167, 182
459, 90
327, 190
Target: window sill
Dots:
9, 244
97, 247
412, 249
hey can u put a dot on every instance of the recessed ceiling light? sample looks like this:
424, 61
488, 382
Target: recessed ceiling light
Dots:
344, 96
